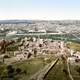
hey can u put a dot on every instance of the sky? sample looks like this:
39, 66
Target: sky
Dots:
40, 9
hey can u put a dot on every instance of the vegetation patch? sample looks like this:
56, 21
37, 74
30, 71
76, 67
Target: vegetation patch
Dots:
74, 45
24, 69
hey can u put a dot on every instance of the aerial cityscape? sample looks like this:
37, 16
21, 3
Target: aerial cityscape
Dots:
39, 40
35, 50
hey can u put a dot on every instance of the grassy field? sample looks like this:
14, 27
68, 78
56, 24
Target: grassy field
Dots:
73, 68
31, 66
57, 72
74, 45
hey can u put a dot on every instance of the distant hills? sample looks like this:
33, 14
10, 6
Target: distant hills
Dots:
15, 21
55, 26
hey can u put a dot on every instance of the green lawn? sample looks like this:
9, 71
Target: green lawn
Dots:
31, 66
73, 68
74, 45
57, 72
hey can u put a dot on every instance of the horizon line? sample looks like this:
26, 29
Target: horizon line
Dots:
44, 19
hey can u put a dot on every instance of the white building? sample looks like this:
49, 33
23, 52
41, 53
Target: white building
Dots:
42, 30
71, 59
10, 33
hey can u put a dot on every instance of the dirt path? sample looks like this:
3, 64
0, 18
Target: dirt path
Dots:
70, 76
43, 72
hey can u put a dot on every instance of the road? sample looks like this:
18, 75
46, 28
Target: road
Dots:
43, 72
70, 76
76, 37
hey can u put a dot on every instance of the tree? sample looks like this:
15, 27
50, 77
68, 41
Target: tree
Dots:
10, 71
29, 55
6, 56
78, 70
40, 45
24, 71
35, 52
18, 70
65, 71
